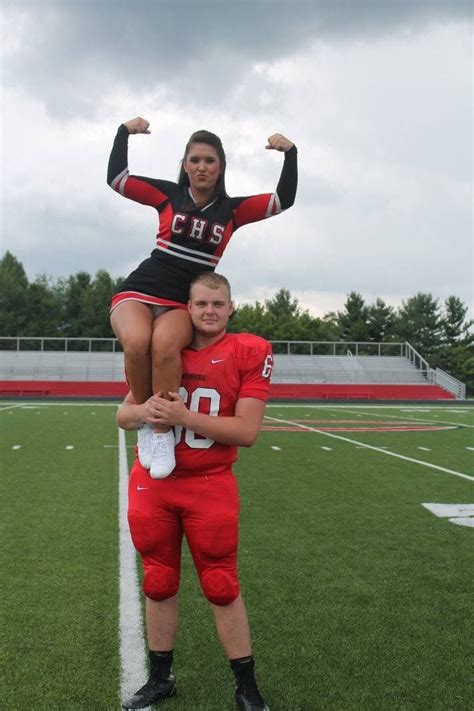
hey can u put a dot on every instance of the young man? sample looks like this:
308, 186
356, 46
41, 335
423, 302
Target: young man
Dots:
220, 406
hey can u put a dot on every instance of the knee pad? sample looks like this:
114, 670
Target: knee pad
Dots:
220, 586
160, 581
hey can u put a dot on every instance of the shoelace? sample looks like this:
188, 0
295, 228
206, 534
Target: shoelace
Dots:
160, 446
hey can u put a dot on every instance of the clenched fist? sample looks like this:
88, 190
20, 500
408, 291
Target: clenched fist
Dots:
278, 142
137, 125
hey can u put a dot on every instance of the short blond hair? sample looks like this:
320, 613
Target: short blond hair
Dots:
212, 281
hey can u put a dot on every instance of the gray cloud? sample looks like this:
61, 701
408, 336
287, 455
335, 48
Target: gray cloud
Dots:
70, 53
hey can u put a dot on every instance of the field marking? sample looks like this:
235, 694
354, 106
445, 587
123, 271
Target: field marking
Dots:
391, 427
422, 420
16, 446
70, 446
424, 449
133, 671
377, 449
9, 407
328, 449
277, 449
460, 514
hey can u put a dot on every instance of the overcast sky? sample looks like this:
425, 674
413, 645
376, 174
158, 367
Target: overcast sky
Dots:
376, 94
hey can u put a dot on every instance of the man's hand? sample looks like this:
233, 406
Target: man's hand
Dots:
137, 125
278, 142
168, 412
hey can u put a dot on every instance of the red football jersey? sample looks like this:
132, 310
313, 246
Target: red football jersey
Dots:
214, 378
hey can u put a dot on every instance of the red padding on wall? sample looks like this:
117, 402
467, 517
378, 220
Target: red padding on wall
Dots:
278, 391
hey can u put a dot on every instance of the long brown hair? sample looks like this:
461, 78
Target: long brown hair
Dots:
211, 140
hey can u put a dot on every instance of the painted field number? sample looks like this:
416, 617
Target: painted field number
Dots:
460, 514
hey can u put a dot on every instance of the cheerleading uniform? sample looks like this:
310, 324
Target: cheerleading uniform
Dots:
190, 239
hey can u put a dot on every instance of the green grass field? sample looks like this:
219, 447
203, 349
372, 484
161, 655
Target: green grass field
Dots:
359, 597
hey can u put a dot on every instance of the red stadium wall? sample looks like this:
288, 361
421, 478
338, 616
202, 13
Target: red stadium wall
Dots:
278, 391
331, 391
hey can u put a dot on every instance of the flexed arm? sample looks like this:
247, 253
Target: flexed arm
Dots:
140, 189
259, 207
118, 161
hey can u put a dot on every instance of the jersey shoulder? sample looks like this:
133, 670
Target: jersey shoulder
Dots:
247, 344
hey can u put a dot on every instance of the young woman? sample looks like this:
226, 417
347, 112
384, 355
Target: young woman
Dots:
196, 221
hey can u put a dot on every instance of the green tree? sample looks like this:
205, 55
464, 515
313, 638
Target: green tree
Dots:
13, 297
44, 309
354, 320
72, 292
95, 306
249, 318
457, 353
454, 324
279, 319
419, 322
380, 321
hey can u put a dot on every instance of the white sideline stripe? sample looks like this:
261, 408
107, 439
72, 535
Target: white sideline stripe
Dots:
424, 449
328, 449
133, 671
375, 449
9, 407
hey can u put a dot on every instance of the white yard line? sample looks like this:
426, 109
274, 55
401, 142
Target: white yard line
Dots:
132, 646
9, 407
413, 419
375, 449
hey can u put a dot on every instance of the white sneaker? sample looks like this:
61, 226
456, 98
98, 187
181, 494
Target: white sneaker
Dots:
162, 455
145, 445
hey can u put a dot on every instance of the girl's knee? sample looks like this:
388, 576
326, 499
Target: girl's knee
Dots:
136, 347
164, 351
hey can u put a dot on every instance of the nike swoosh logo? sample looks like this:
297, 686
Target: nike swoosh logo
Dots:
221, 360
142, 488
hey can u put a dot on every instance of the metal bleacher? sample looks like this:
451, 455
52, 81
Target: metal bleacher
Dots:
62, 365
345, 369
30, 359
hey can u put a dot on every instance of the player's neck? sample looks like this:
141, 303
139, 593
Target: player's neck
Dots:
201, 198
201, 341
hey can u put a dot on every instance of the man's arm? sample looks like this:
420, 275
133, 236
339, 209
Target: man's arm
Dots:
131, 415
241, 429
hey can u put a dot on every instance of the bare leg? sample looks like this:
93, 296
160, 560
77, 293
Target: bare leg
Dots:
172, 331
161, 623
132, 324
233, 628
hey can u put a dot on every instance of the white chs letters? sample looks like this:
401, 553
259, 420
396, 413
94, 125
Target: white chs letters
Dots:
196, 228
177, 226
191, 438
217, 233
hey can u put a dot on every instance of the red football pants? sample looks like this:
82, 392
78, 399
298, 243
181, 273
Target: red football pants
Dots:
205, 509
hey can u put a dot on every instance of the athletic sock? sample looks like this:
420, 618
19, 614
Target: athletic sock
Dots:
243, 669
160, 663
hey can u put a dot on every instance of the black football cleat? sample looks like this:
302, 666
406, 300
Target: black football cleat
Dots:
150, 693
250, 701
